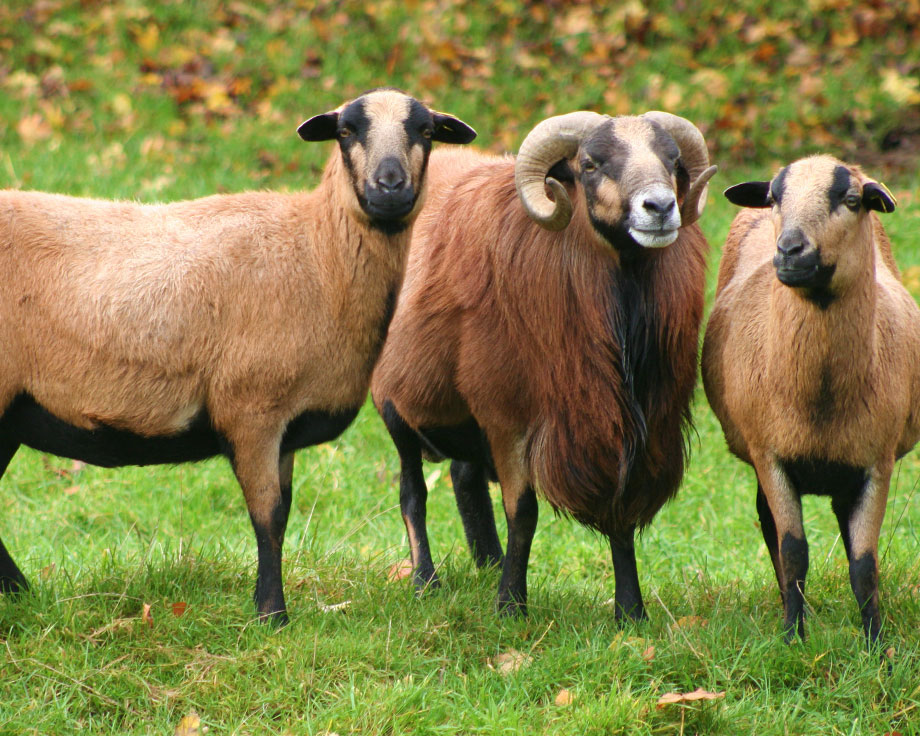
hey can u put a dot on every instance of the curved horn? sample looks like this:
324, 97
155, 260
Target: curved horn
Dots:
554, 139
695, 155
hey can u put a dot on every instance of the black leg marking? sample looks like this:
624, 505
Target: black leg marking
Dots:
269, 592
794, 559
864, 581
11, 578
842, 506
413, 497
522, 523
627, 593
770, 538
471, 490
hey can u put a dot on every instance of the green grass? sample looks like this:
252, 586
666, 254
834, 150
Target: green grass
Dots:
181, 99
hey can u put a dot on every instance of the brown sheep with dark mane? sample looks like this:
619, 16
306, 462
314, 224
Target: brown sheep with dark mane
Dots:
245, 325
552, 346
811, 362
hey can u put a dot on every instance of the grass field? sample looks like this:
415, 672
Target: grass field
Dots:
181, 99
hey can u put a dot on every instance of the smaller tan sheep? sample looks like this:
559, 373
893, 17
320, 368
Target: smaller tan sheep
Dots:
811, 362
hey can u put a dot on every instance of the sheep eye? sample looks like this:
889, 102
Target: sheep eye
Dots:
426, 132
588, 166
344, 133
852, 201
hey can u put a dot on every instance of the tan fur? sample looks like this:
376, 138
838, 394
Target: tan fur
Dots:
789, 379
138, 316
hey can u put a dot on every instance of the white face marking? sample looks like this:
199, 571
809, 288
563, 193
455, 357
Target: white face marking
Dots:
387, 112
651, 223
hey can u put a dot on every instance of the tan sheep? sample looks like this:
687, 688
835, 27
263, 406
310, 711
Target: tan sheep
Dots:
245, 324
811, 362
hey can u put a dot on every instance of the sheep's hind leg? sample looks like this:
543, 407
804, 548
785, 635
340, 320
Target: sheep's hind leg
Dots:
471, 490
11, 578
627, 593
413, 498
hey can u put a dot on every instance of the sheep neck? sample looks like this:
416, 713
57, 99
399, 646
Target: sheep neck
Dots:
821, 357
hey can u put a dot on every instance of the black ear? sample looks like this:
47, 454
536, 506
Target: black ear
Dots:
448, 129
877, 197
320, 127
749, 194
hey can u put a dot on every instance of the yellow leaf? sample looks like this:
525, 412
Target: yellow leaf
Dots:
399, 571
190, 725
147, 616
903, 90
148, 38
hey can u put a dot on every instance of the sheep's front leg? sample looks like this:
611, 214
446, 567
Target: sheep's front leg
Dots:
260, 472
627, 593
413, 498
471, 491
785, 507
11, 578
860, 520
520, 503
768, 529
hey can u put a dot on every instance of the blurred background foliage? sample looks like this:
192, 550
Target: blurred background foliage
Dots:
91, 89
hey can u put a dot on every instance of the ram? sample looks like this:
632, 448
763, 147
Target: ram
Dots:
244, 325
552, 346
811, 362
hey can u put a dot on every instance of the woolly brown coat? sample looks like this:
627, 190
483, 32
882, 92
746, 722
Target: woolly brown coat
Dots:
577, 364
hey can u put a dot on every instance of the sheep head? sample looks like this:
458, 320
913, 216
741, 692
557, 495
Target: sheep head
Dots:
642, 177
820, 210
384, 137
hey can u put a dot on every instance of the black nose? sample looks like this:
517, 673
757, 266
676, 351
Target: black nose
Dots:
659, 205
390, 176
791, 242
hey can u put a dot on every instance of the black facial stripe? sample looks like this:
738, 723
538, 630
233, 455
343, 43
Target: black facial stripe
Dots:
665, 147
839, 187
779, 185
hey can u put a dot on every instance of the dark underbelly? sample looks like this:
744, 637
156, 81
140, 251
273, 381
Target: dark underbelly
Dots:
824, 478
26, 422
465, 442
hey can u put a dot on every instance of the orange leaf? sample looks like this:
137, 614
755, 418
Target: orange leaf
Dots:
649, 654
564, 697
147, 616
679, 698
510, 661
400, 571
178, 608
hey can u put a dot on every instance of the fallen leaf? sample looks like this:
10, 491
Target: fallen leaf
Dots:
47, 571
33, 128
890, 652
71, 490
687, 622
147, 616
178, 608
564, 697
190, 725
399, 571
333, 607
510, 661
679, 698
649, 654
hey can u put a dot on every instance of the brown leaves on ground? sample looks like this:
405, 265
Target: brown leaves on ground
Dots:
681, 698
509, 662
190, 725
564, 697
399, 571
147, 615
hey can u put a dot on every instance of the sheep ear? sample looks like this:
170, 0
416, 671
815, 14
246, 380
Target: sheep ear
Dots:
448, 129
320, 127
877, 197
749, 194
